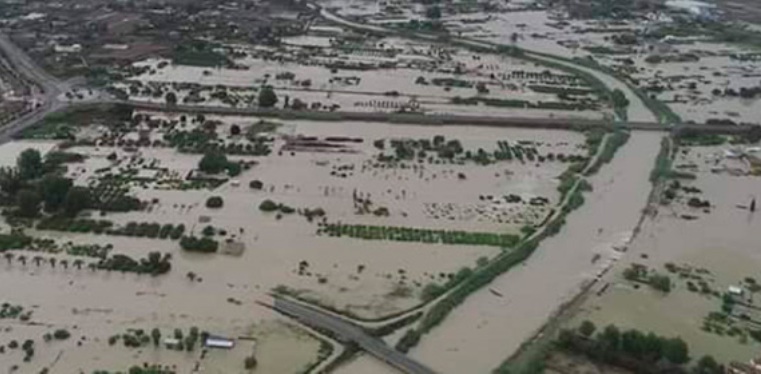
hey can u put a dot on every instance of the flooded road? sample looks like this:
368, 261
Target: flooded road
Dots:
488, 328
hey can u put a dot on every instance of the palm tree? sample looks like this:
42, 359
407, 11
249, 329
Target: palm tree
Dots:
64, 263
8, 257
52, 262
78, 263
37, 260
21, 259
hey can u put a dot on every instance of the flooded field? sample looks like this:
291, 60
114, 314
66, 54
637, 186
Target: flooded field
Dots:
488, 328
334, 187
711, 252
390, 74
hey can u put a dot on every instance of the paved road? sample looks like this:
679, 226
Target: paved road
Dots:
350, 332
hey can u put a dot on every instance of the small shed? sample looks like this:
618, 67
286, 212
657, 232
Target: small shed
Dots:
171, 343
735, 290
219, 342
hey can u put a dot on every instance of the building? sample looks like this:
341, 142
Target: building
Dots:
171, 343
219, 342
73, 48
694, 8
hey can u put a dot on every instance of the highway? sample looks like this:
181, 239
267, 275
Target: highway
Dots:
347, 331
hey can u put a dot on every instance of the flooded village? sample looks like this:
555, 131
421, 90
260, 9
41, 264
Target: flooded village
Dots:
378, 187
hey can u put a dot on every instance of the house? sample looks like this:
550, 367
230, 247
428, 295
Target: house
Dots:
218, 342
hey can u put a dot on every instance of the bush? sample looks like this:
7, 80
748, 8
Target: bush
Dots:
268, 206
177, 232
214, 202
256, 185
204, 245
61, 334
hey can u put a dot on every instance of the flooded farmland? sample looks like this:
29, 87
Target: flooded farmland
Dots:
710, 253
488, 328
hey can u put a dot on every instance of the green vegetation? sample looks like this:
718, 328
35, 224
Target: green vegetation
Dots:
615, 141
9, 311
406, 234
203, 244
268, 206
215, 162
640, 273
150, 230
634, 350
214, 202
198, 53
154, 264
694, 138
511, 103
267, 97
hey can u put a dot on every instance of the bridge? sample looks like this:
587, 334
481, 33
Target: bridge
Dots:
348, 332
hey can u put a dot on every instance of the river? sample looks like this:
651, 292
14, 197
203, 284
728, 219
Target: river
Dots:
492, 323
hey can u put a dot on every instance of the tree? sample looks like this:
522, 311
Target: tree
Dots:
234, 130
587, 328
28, 203
619, 99
250, 362
675, 351
156, 336
611, 338
77, 199
213, 163
37, 260
10, 181
256, 184
29, 164
267, 97
53, 190
433, 12
708, 365
61, 334
214, 202
78, 263
268, 206
171, 98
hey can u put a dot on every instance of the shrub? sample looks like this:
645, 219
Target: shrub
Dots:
268, 206
177, 232
204, 245
214, 202
61, 334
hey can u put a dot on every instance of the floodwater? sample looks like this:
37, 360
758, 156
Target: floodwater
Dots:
724, 242
96, 305
486, 329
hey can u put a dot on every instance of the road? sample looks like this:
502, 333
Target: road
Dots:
347, 331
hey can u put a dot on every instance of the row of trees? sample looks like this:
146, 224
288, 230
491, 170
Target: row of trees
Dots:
634, 350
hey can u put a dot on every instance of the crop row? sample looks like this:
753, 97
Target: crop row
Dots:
406, 234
